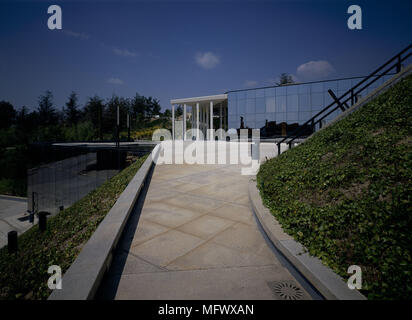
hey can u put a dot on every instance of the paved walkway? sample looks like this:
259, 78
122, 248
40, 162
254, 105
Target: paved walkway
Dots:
195, 238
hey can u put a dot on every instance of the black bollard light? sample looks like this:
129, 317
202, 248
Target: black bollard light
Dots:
31, 217
42, 221
12, 241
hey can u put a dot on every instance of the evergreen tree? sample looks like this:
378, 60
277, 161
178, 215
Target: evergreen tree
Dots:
46, 110
285, 79
72, 112
94, 110
8, 114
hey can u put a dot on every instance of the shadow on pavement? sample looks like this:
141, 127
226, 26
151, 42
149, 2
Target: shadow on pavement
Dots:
110, 281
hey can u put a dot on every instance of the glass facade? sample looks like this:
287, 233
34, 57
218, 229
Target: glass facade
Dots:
283, 108
66, 174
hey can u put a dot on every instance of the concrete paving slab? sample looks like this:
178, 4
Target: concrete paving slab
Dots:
166, 247
125, 263
155, 195
242, 200
241, 283
194, 202
146, 231
201, 179
169, 215
245, 238
180, 186
206, 226
195, 237
212, 255
222, 191
238, 213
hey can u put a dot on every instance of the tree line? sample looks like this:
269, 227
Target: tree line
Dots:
95, 120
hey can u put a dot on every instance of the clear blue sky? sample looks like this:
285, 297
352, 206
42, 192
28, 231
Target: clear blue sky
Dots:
181, 49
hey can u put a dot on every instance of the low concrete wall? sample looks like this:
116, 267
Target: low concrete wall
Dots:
15, 198
82, 279
328, 283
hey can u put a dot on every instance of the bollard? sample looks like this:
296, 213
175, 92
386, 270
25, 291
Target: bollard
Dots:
31, 217
42, 221
61, 208
33, 208
12, 241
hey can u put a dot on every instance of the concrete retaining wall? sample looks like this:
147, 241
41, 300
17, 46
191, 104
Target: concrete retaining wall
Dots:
328, 283
82, 279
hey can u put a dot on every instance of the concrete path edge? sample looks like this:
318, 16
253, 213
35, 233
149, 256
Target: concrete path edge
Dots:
327, 282
8, 197
82, 279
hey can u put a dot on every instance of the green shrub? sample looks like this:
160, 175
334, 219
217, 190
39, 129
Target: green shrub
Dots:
346, 193
84, 131
13, 179
13, 187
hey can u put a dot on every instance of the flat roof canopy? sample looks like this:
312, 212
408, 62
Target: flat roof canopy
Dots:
215, 98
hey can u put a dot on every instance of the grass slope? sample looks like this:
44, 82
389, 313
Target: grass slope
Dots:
24, 275
346, 193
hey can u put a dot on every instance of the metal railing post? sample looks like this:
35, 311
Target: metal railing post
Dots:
33, 208
118, 136
128, 126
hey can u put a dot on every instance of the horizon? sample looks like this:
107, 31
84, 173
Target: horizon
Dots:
188, 49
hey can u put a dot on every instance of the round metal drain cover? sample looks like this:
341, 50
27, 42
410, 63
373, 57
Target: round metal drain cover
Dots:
286, 290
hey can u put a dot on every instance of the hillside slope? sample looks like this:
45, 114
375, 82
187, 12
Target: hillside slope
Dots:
346, 193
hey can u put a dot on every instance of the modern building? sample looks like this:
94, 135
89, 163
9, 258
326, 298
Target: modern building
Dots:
275, 110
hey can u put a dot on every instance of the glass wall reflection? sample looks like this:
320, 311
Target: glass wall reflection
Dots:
279, 110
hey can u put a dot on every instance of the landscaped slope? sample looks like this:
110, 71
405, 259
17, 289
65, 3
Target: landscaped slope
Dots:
24, 275
346, 193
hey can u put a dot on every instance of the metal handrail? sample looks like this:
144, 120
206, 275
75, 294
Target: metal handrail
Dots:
353, 94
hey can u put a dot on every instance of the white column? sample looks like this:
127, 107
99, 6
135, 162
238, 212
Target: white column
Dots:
203, 122
184, 121
206, 123
197, 120
191, 117
173, 121
220, 119
201, 118
211, 119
